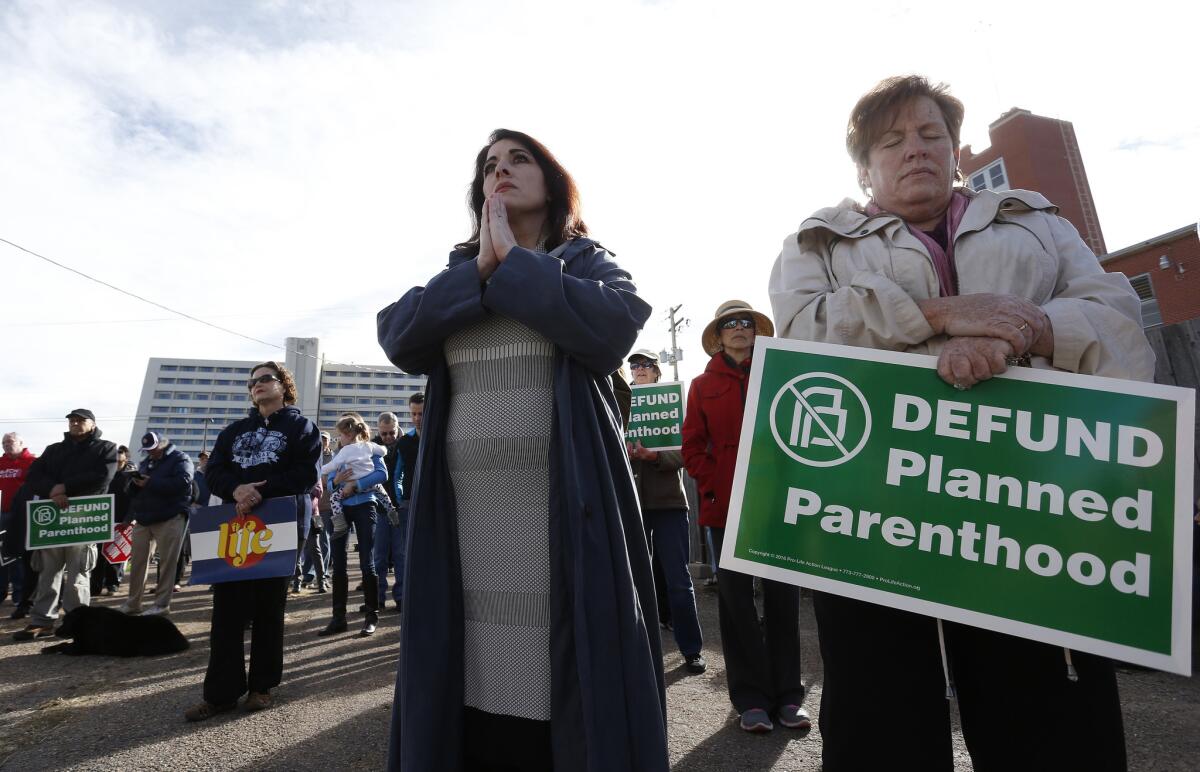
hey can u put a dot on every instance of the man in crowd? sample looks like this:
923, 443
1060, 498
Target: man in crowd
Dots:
162, 499
317, 544
106, 577
14, 466
402, 466
81, 465
202, 494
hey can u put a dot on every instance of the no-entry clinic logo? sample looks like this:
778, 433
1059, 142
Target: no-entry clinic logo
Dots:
44, 514
820, 419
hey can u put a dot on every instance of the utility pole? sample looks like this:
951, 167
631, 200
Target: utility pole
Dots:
674, 356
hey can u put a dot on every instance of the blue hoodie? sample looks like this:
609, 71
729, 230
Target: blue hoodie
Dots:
283, 449
168, 492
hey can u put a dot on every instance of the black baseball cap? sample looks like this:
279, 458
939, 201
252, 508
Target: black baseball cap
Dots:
150, 441
82, 412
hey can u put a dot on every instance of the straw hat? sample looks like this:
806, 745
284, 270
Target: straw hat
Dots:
710, 339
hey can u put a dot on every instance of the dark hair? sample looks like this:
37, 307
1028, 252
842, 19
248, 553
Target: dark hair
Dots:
563, 221
123, 449
875, 110
417, 399
203, 454
285, 379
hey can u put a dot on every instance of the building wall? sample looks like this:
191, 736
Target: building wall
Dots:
1177, 294
1042, 154
190, 401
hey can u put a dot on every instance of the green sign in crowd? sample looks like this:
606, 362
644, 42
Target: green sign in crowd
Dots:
1042, 504
85, 520
656, 416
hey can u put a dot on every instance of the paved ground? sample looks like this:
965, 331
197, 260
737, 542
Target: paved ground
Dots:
94, 713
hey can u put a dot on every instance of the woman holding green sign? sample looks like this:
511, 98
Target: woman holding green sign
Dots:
984, 280
665, 514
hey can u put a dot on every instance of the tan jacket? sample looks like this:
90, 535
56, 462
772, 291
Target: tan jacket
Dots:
659, 484
852, 279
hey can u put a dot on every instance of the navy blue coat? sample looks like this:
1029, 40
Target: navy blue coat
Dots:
168, 492
607, 698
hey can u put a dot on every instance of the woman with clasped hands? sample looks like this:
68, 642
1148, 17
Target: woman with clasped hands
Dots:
983, 280
525, 643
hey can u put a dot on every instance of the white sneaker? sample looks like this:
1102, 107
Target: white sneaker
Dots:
125, 608
155, 611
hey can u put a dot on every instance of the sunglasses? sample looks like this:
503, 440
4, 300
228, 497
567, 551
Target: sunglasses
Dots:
641, 365
730, 324
252, 382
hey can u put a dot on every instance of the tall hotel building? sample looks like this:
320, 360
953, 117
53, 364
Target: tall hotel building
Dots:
190, 401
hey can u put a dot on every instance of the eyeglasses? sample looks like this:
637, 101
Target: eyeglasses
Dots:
730, 324
252, 382
641, 365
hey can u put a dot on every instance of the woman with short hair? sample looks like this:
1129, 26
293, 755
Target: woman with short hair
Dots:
524, 644
984, 280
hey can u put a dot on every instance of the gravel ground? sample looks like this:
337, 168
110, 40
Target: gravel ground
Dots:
333, 709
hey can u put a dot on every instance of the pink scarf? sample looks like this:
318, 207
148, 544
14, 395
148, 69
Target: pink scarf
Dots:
943, 259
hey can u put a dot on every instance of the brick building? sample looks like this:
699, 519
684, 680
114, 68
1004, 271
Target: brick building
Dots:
1165, 271
1036, 153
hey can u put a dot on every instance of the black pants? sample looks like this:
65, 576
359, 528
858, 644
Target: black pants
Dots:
496, 743
884, 706
762, 662
259, 601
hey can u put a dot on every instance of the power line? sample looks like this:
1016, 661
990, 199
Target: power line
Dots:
183, 314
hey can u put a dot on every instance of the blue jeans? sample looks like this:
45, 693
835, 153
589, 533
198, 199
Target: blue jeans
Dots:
667, 532
308, 570
363, 518
391, 541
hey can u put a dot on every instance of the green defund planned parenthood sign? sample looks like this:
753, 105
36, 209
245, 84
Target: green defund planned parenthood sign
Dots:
86, 520
1042, 504
656, 416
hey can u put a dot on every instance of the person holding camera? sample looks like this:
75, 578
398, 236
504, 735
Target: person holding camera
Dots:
161, 491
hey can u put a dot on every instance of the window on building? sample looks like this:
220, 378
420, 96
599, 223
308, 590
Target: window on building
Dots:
179, 410
224, 369
221, 397
183, 395
168, 368
205, 369
200, 396
162, 395
166, 380
1151, 313
242, 370
993, 177
186, 380
187, 369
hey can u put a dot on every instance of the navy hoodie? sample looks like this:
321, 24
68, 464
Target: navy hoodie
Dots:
283, 449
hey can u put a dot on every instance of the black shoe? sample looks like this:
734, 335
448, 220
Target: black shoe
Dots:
20, 612
307, 583
334, 627
695, 664
323, 587
362, 609
368, 628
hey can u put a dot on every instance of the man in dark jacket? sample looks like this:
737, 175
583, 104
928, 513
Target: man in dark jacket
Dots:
162, 498
106, 577
391, 540
81, 465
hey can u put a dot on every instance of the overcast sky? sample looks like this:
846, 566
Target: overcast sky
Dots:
288, 168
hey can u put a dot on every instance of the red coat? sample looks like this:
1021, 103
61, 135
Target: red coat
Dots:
711, 429
12, 474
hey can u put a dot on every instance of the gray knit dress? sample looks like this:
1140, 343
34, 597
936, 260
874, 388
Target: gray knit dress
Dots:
498, 451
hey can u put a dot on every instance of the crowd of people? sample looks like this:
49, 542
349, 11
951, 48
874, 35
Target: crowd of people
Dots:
537, 555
